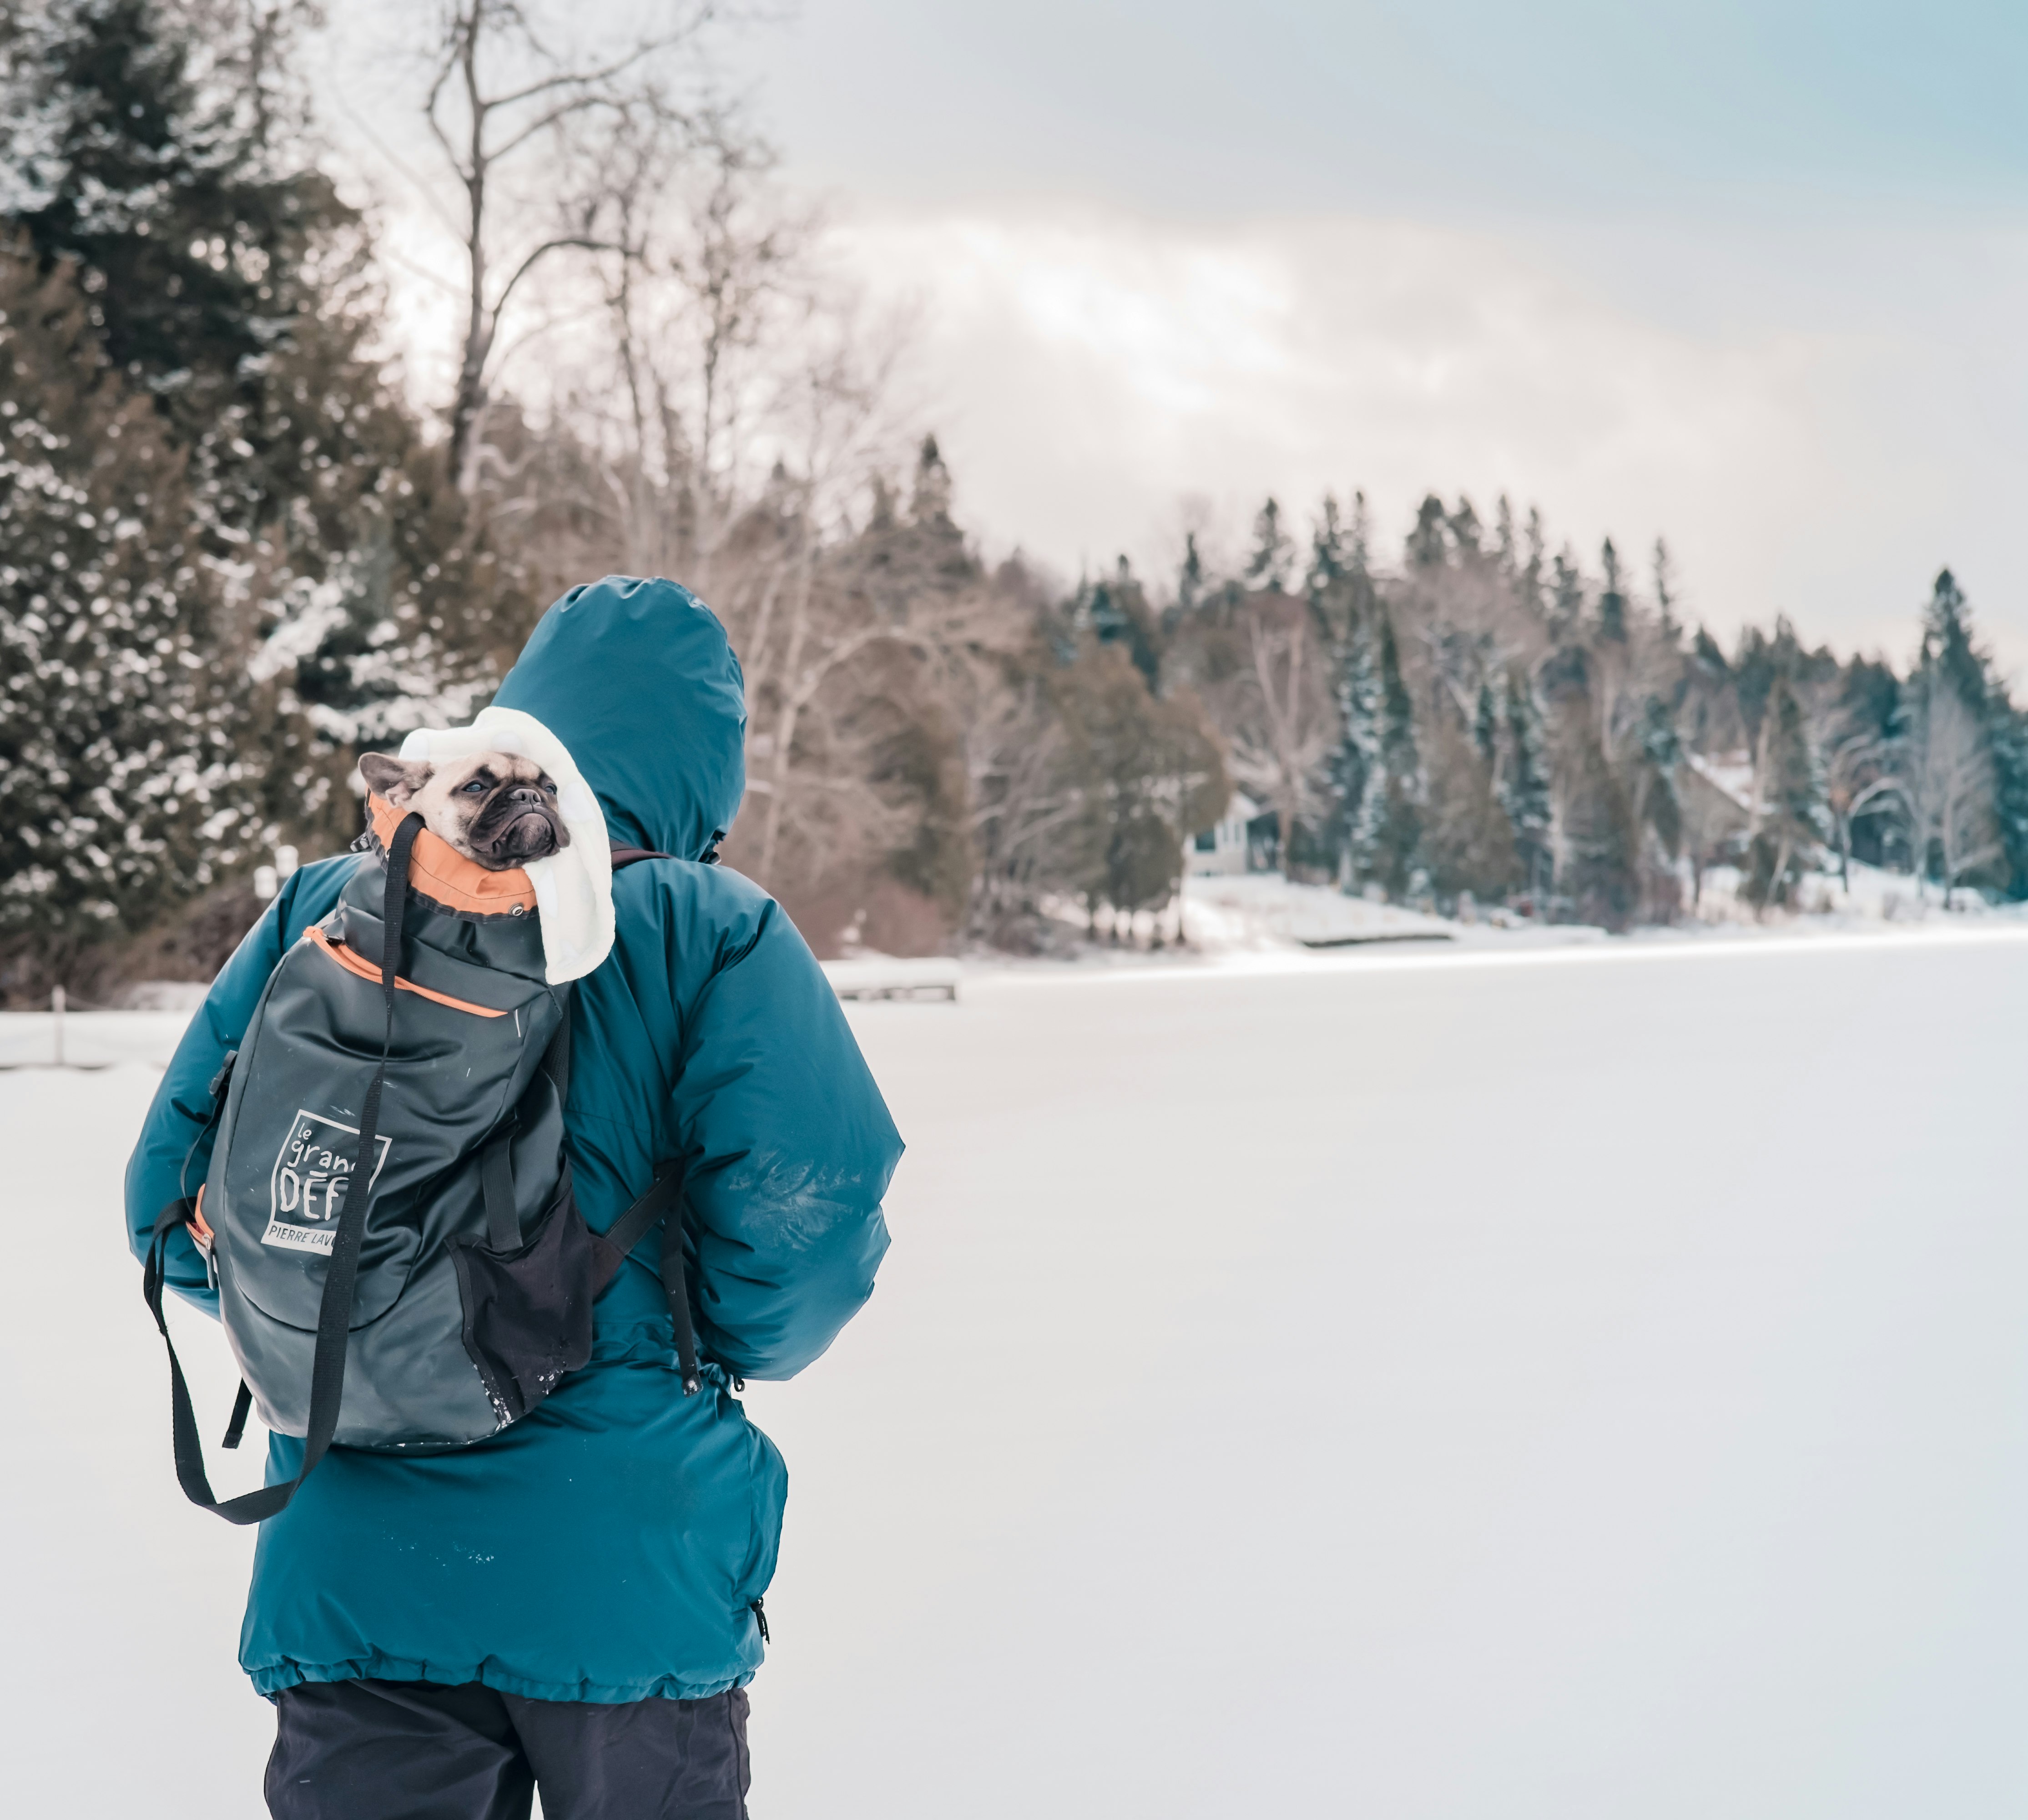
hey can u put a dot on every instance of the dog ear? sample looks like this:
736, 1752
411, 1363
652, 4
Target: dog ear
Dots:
396, 780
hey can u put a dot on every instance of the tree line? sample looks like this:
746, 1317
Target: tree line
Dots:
1483, 718
235, 551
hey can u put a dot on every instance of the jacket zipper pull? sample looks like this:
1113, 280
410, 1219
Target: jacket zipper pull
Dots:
760, 1610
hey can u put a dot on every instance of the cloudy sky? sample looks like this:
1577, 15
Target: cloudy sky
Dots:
1750, 276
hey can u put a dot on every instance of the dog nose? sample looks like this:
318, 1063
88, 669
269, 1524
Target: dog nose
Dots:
527, 793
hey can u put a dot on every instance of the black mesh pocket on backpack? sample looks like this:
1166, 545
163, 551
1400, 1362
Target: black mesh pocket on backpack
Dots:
527, 1314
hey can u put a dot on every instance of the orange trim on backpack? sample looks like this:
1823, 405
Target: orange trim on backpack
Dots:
358, 963
197, 1221
439, 870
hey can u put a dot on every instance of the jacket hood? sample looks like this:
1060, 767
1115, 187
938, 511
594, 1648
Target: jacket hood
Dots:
638, 679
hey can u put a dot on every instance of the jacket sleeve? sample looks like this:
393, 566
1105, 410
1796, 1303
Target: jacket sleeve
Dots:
174, 1153
788, 1149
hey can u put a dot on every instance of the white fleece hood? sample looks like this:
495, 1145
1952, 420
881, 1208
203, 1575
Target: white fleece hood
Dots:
574, 888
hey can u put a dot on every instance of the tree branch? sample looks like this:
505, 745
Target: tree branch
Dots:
521, 271
566, 78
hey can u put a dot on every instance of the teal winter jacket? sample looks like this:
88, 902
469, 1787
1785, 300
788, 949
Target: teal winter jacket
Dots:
609, 1546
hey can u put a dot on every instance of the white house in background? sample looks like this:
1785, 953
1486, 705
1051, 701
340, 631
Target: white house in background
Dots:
1717, 796
1223, 846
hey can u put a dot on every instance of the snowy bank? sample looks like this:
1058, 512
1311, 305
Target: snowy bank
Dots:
1502, 1385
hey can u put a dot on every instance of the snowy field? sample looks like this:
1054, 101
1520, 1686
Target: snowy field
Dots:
1583, 1384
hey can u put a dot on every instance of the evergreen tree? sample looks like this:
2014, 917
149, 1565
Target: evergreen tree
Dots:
1189, 576
161, 152
1867, 815
161, 148
1343, 601
1117, 612
1337, 585
1601, 835
1360, 594
1397, 709
2006, 731
1566, 594
930, 502
1792, 823
122, 787
1357, 535
1355, 761
1467, 841
1612, 602
1598, 827
1665, 593
1657, 754
1464, 529
1485, 725
1947, 645
1387, 843
1427, 548
1950, 649
1146, 773
1267, 566
1531, 571
1762, 664
1525, 787
1329, 558
1506, 547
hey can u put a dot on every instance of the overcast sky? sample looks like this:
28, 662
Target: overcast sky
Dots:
1749, 277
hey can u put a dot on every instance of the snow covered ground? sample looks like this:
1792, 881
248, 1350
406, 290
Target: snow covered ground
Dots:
1420, 1382
1868, 896
1255, 910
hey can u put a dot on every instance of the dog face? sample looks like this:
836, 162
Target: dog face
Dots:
494, 808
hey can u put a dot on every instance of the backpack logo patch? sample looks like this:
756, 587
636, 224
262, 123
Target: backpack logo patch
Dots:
306, 1188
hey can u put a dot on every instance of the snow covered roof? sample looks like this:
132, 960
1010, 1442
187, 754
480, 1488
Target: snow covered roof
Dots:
1731, 776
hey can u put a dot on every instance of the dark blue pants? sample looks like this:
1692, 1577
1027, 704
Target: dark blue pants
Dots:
412, 1750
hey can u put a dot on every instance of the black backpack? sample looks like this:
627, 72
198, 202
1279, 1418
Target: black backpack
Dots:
411, 1043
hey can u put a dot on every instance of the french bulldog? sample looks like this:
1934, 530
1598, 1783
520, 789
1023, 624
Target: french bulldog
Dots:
497, 810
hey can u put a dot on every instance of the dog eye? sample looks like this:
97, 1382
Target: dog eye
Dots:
548, 784
474, 788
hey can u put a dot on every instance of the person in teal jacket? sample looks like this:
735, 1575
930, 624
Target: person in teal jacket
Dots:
579, 1600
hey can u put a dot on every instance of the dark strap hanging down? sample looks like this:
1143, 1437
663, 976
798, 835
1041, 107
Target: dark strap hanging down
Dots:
496, 1160
242, 1407
557, 1062
496, 1184
335, 1311
663, 1202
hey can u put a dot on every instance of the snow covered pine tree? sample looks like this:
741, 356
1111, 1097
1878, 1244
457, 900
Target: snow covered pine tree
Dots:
119, 791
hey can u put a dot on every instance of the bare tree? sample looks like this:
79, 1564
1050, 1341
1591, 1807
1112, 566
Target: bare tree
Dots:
1860, 780
1278, 714
738, 258
814, 618
716, 319
1947, 781
1025, 799
727, 430
501, 94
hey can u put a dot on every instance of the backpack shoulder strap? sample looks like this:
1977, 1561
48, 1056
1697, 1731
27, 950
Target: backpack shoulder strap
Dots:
663, 1202
334, 1310
625, 856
